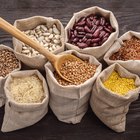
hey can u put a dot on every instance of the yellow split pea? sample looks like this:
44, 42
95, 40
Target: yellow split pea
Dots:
118, 84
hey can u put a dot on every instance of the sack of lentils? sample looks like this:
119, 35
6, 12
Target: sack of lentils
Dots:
91, 31
69, 101
27, 100
8, 64
114, 90
126, 52
48, 32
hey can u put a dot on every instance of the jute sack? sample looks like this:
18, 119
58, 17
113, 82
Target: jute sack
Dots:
2, 79
21, 115
131, 65
109, 107
28, 24
70, 103
98, 51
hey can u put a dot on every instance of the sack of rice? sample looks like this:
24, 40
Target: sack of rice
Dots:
69, 101
91, 31
8, 64
126, 52
114, 90
48, 32
27, 100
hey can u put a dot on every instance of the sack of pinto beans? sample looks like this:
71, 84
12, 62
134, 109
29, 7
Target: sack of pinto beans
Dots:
69, 100
126, 52
27, 100
48, 32
91, 31
8, 64
114, 90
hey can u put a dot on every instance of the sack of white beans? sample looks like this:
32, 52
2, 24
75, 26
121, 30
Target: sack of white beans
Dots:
130, 52
8, 64
27, 100
70, 102
91, 31
110, 107
47, 31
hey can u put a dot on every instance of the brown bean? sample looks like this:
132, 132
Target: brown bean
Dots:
89, 35
96, 33
82, 45
86, 28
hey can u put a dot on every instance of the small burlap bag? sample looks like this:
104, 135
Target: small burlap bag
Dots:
21, 115
109, 107
2, 79
131, 65
98, 51
70, 103
28, 24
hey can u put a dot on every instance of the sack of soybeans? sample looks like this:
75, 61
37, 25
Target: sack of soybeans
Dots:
8, 64
27, 100
126, 52
46, 31
91, 31
114, 90
69, 100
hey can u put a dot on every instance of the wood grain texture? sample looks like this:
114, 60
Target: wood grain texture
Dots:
127, 13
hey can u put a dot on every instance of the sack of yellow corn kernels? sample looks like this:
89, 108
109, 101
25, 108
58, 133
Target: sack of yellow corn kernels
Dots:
112, 96
27, 100
8, 64
126, 52
69, 102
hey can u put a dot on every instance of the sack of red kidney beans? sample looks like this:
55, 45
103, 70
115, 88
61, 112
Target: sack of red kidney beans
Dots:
91, 31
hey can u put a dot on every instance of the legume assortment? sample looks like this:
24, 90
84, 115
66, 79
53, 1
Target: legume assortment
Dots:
90, 31
8, 62
76, 71
119, 85
27, 90
47, 37
129, 51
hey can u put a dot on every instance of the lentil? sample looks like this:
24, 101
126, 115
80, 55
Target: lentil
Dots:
76, 71
119, 85
8, 62
50, 38
90, 31
129, 51
27, 90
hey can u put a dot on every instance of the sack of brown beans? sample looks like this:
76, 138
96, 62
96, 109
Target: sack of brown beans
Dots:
126, 52
91, 31
27, 100
48, 32
113, 92
8, 64
69, 101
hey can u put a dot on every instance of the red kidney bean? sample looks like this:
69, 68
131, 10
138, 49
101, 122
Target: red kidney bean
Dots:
106, 35
82, 45
75, 32
97, 22
95, 44
88, 42
88, 23
80, 36
102, 21
104, 39
102, 33
95, 40
108, 30
84, 39
100, 28
94, 28
82, 23
87, 29
80, 29
75, 40
88, 35
81, 33
96, 33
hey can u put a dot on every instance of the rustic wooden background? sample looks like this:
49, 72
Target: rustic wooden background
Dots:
127, 13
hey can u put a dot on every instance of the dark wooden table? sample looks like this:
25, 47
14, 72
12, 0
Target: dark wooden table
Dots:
127, 13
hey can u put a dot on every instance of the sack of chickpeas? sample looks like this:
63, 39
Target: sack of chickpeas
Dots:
8, 64
114, 90
48, 32
91, 31
27, 100
126, 52
69, 100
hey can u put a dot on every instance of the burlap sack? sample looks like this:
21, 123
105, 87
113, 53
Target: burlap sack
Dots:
70, 103
18, 115
30, 23
2, 79
131, 65
98, 51
112, 108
